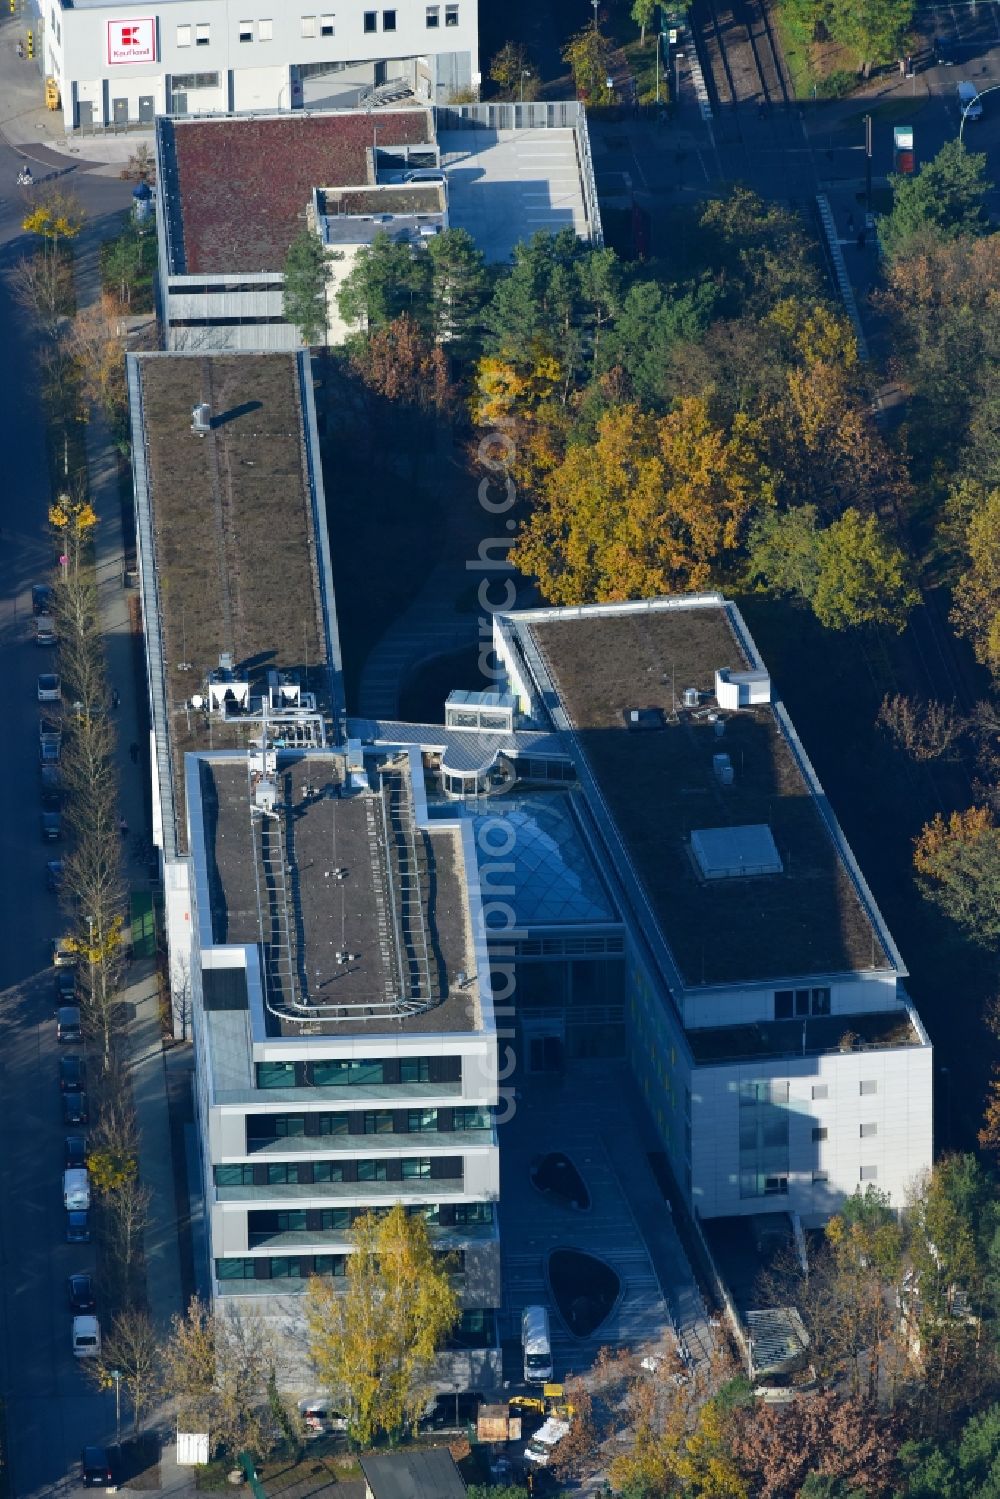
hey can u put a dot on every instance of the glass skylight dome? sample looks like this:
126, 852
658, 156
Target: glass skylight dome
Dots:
554, 883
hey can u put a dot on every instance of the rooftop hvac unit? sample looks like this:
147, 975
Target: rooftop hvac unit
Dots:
722, 766
692, 697
741, 689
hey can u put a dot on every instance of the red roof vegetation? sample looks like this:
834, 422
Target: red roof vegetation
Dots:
245, 184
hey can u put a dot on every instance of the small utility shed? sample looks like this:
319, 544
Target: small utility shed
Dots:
420, 1474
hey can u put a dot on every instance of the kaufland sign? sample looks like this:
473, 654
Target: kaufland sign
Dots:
133, 40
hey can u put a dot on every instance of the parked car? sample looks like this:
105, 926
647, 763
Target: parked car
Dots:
42, 595
49, 751
54, 875
68, 1023
49, 687
75, 1108
51, 826
66, 986
75, 1149
45, 630
76, 1189
63, 953
78, 1226
319, 1417
96, 1471
72, 1074
80, 1289
52, 788
86, 1337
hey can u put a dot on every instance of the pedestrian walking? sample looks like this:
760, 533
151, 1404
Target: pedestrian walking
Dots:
133, 752
115, 699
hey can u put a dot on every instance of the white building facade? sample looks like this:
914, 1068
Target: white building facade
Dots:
117, 65
786, 1093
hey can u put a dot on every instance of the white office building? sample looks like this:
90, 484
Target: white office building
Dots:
326, 942
119, 65
766, 1017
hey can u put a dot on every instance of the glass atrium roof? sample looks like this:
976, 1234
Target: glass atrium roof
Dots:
554, 882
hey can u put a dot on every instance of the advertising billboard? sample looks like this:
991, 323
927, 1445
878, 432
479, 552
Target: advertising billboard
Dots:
133, 40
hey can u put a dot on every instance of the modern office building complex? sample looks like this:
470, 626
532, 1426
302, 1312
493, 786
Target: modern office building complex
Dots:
233, 193
765, 1015
380, 930
326, 935
117, 65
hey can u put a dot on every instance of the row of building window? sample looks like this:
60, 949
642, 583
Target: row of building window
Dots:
300, 1266
316, 1173
755, 1184
262, 1224
867, 1131
262, 1129
775, 1091
262, 30
792, 1003
339, 1073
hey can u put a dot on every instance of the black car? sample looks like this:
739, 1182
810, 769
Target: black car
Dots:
75, 1152
80, 1289
68, 1023
95, 1468
74, 1106
77, 1226
51, 827
66, 985
41, 598
944, 51
72, 1074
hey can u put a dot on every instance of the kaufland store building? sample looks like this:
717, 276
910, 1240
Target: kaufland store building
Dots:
117, 67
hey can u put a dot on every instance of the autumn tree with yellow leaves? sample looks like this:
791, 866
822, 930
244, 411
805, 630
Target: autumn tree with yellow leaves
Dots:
373, 1343
957, 860
650, 507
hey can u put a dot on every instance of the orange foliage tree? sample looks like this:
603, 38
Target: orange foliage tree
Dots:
651, 506
958, 862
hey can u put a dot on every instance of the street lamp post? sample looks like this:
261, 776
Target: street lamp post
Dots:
525, 73
116, 1375
971, 104
595, 4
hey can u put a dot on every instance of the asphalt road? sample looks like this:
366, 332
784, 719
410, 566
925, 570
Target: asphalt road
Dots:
50, 1409
794, 152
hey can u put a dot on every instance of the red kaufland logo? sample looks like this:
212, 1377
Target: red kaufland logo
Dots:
132, 40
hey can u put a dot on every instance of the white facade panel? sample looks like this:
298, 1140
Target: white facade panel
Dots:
873, 1107
857, 995
128, 52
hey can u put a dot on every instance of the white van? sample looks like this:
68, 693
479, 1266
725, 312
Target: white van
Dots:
536, 1345
969, 103
86, 1337
76, 1189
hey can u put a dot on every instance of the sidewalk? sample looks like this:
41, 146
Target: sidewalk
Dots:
40, 133
148, 1071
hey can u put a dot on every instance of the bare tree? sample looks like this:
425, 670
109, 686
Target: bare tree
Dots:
42, 286
132, 1348
218, 1365
128, 1216
925, 730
